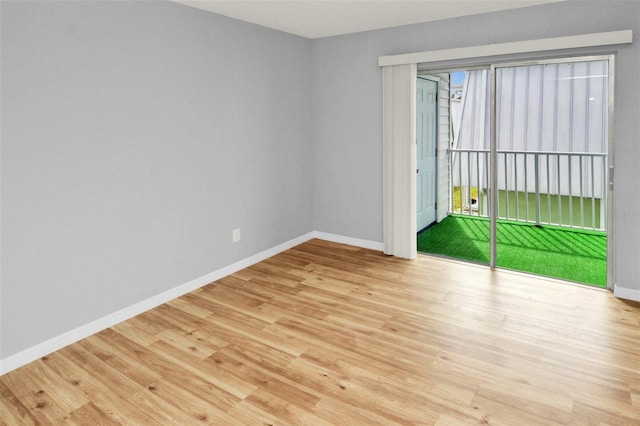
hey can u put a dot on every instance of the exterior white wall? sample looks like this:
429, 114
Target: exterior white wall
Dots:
555, 107
444, 137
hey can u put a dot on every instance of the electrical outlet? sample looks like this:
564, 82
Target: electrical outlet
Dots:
235, 235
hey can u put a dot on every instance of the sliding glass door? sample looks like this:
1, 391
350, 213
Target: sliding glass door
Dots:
529, 165
550, 154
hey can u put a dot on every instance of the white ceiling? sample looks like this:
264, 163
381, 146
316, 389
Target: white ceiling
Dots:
314, 19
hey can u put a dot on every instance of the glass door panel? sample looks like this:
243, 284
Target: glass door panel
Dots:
551, 160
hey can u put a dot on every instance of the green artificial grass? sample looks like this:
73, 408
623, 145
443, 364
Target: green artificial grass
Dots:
569, 254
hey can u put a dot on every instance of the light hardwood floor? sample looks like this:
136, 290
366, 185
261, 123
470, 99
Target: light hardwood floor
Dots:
331, 334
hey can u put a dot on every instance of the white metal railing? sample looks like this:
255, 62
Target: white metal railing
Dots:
556, 188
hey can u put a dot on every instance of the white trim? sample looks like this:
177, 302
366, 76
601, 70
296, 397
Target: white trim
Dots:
609, 187
626, 293
372, 245
33, 353
41, 349
539, 45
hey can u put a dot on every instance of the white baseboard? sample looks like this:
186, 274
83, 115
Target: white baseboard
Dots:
41, 349
372, 245
626, 293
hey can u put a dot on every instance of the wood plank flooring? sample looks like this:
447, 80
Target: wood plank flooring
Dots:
328, 334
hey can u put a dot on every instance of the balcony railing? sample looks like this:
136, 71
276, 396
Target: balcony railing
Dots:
543, 187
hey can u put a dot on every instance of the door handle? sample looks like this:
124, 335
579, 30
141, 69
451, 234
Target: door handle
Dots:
417, 171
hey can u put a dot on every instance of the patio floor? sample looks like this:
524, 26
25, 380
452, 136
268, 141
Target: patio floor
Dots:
565, 253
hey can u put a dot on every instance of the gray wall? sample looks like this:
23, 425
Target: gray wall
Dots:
347, 111
135, 137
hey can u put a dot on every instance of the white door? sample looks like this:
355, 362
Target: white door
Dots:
426, 152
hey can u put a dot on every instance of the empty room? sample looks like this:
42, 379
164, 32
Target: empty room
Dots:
211, 212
